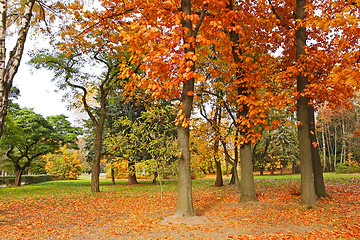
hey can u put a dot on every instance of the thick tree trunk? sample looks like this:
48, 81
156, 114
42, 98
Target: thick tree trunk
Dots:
308, 196
316, 161
185, 201
155, 177
95, 173
8, 71
219, 179
18, 174
247, 177
4, 88
95, 181
132, 173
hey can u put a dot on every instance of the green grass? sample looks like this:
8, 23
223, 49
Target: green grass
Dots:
81, 188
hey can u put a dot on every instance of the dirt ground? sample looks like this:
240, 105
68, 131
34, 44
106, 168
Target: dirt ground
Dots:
277, 215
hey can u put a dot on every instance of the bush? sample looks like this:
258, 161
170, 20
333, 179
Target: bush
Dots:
31, 179
27, 179
64, 164
345, 168
351, 165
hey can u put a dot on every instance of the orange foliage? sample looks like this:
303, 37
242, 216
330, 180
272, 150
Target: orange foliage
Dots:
134, 212
154, 34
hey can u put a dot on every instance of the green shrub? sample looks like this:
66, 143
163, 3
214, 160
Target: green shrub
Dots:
27, 179
7, 180
345, 168
31, 179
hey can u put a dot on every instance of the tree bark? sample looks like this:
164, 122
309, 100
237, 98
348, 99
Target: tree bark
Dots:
235, 176
219, 179
95, 181
308, 196
320, 190
4, 88
217, 121
247, 177
132, 173
18, 174
8, 71
112, 176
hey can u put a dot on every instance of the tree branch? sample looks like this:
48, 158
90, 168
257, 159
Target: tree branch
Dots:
202, 15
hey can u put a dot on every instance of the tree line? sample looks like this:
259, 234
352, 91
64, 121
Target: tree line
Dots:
249, 62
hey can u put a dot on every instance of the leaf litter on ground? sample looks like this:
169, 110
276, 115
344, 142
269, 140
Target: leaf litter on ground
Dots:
137, 212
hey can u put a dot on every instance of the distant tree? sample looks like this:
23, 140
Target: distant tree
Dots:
150, 138
28, 135
90, 89
63, 164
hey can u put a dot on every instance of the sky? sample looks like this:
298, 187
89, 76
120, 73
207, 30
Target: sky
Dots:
37, 91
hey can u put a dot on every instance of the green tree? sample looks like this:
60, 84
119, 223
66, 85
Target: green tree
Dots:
90, 89
149, 138
28, 135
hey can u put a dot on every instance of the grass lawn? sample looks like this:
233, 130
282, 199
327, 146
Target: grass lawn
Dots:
67, 210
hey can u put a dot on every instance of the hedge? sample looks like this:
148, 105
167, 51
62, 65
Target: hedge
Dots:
27, 179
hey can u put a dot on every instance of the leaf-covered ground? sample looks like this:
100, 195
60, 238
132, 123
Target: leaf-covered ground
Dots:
66, 210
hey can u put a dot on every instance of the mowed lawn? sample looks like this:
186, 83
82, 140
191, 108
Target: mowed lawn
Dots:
67, 210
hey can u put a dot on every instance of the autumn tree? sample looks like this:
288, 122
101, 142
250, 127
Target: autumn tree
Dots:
63, 164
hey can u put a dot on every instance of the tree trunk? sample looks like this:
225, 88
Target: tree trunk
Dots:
95, 181
112, 176
308, 196
315, 156
227, 168
247, 177
324, 148
343, 146
132, 173
155, 177
185, 202
95, 173
18, 174
335, 147
219, 180
327, 138
8, 71
235, 177
217, 121
4, 88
